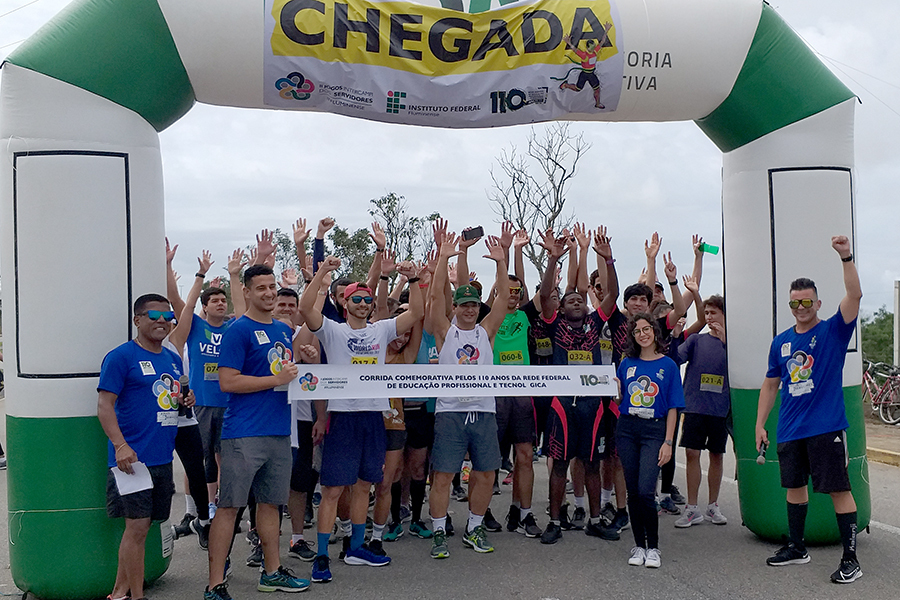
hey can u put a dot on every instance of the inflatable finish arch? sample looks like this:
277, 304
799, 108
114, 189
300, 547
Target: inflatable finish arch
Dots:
83, 101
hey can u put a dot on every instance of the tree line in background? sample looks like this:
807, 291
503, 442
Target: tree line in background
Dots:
878, 336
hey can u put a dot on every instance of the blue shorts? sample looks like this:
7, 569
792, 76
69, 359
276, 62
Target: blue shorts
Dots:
353, 448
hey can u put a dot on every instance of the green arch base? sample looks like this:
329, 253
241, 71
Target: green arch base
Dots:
72, 500
763, 499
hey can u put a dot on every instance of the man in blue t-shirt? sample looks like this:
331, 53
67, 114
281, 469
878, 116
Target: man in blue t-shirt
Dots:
807, 361
139, 393
255, 367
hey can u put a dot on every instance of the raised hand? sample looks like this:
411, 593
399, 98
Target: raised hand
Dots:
448, 245
696, 244
407, 269
170, 252
841, 245
671, 271
325, 226
554, 246
507, 231
217, 282
582, 236
430, 262
269, 261
288, 278
465, 244
205, 261
602, 243
236, 262
378, 236
439, 230
690, 284
301, 233
265, 244
569, 240
651, 246
496, 251
520, 240
331, 263
388, 262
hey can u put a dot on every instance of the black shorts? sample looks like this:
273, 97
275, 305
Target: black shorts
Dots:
303, 476
419, 425
396, 439
582, 427
704, 432
824, 457
515, 420
588, 78
155, 503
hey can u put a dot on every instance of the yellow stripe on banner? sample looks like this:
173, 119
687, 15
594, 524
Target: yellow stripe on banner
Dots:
436, 41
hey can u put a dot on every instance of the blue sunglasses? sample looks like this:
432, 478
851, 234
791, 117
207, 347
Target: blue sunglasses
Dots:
154, 315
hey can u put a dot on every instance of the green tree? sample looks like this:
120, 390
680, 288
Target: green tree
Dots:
407, 236
878, 336
355, 250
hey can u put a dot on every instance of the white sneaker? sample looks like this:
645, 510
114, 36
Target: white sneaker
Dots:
690, 517
652, 559
637, 557
715, 515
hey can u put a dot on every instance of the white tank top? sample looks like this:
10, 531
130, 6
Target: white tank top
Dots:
466, 347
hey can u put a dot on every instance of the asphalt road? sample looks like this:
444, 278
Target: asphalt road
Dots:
702, 562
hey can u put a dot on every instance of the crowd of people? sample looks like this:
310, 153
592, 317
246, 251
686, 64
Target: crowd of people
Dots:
249, 444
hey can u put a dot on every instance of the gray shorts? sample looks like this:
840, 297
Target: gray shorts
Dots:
262, 464
456, 433
210, 420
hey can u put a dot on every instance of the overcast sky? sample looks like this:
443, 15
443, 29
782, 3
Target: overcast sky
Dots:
231, 172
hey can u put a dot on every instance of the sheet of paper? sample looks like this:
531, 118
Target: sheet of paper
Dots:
129, 484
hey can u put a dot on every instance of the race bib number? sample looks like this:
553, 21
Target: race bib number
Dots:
799, 389
147, 367
211, 371
581, 357
261, 337
643, 413
364, 360
712, 383
606, 345
167, 418
543, 347
513, 357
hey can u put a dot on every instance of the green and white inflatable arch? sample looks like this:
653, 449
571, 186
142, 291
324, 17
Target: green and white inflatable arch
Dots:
83, 101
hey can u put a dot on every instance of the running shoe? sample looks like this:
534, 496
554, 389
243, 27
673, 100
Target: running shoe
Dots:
202, 533
256, 556
621, 522
652, 559
848, 572
578, 518
601, 531
477, 540
529, 527
638, 556
253, 537
450, 531
439, 547
363, 556
667, 505
316, 499
490, 523
690, 517
345, 545
675, 495
788, 555
608, 513
508, 479
302, 551
308, 518
394, 532
420, 530
506, 465
512, 518
281, 580
405, 514
459, 494
715, 515
564, 521
496, 491
183, 528
552, 534
465, 473
376, 546
321, 569
219, 592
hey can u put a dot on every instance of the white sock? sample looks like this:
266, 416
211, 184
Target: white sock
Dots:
296, 537
712, 505
692, 507
439, 523
524, 512
605, 497
594, 520
204, 522
347, 526
190, 507
378, 531
579, 502
474, 520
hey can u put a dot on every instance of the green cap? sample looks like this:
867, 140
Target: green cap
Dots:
466, 293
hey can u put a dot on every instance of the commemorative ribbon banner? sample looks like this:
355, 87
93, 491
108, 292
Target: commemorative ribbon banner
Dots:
424, 64
320, 382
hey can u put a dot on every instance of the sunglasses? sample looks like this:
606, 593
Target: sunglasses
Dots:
154, 315
358, 299
805, 303
646, 329
515, 290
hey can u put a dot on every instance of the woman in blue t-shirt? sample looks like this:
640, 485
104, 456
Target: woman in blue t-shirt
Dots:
650, 392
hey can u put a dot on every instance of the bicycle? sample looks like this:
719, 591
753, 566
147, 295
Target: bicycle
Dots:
884, 398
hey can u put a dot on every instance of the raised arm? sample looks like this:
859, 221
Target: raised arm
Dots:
438, 300
462, 262
265, 247
697, 273
520, 240
311, 313
324, 227
850, 302
494, 319
301, 234
381, 294
416, 311
693, 289
572, 272
555, 249
179, 335
235, 264
606, 266
172, 281
380, 240
651, 249
584, 244
678, 309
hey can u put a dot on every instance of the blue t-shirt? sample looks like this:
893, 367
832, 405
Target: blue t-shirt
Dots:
810, 366
706, 390
143, 383
203, 356
256, 349
650, 387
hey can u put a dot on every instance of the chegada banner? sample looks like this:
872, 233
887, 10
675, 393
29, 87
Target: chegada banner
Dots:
406, 62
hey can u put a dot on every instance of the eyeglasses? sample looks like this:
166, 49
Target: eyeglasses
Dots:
646, 330
358, 299
515, 290
805, 303
154, 315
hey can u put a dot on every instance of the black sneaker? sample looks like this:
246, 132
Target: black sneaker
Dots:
506, 465
448, 530
490, 523
598, 530
183, 528
252, 537
302, 551
497, 491
848, 572
308, 518
512, 518
256, 556
345, 545
376, 547
578, 518
529, 527
459, 494
621, 521
564, 521
219, 592
552, 534
202, 533
608, 513
789, 555
676, 496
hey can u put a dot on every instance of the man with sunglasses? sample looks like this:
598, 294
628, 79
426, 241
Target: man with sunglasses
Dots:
139, 396
807, 361
354, 443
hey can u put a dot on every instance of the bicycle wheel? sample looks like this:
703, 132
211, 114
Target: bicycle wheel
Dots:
890, 408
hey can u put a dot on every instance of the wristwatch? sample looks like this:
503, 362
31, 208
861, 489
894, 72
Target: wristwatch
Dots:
668, 442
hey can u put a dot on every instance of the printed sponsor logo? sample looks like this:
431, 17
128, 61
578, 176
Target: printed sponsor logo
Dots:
295, 86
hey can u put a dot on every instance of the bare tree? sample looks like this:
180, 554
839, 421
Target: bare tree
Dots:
530, 190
